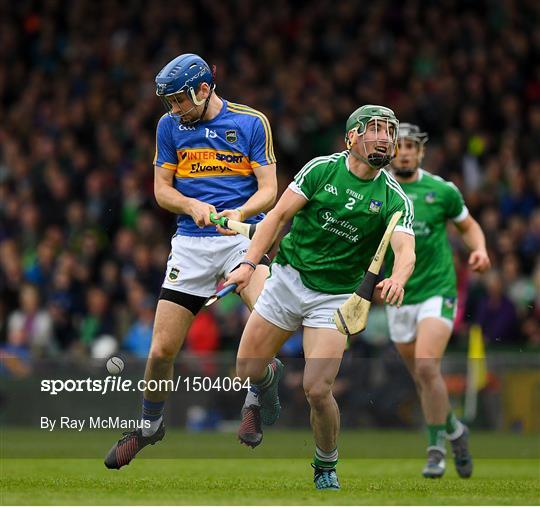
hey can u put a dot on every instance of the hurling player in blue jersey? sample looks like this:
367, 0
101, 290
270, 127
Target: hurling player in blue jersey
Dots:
211, 156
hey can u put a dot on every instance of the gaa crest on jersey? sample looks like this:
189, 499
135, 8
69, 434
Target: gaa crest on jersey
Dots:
231, 136
449, 307
182, 127
430, 197
448, 302
173, 274
375, 206
331, 189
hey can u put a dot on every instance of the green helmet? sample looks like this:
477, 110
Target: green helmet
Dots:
365, 114
360, 119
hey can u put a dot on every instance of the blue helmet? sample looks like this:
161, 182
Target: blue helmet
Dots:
183, 74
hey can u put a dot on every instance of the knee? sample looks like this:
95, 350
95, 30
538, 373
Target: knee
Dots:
162, 349
318, 394
426, 371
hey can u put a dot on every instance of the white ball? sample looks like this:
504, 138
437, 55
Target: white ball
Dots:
115, 365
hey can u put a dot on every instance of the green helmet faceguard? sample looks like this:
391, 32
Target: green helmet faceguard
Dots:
359, 121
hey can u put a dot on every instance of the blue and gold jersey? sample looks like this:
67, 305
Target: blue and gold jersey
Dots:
213, 161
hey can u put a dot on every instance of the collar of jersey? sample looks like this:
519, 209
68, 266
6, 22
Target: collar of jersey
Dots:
220, 114
357, 177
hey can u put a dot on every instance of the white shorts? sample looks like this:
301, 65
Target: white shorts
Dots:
287, 303
402, 322
197, 263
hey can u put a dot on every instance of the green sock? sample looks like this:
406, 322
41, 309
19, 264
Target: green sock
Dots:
437, 435
452, 423
325, 459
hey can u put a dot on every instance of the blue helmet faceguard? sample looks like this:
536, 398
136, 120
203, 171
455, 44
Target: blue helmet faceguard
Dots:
184, 74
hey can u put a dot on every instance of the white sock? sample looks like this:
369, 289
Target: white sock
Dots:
326, 456
252, 399
457, 433
148, 430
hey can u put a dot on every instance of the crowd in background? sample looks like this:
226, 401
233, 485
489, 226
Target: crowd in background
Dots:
83, 245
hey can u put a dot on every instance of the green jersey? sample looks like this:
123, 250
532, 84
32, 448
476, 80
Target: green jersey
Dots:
435, 201
335, 235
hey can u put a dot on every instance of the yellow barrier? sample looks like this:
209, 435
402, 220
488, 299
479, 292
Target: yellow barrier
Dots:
521, 400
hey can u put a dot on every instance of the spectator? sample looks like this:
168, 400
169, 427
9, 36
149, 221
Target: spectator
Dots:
30, 326
519, 289
139, 336
497, 314
203, 336
109, 280
143, 269
40, 270
531, 324
133, 198
530, 246
62, 323
97, 320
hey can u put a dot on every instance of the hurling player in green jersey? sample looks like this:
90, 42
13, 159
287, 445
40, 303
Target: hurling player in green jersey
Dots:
340, 205
422, 326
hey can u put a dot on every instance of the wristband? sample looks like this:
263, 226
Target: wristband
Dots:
239, 209
247, 262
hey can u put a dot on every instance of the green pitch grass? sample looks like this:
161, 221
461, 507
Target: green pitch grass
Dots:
276, 473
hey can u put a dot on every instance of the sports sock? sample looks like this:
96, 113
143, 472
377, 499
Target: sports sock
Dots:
454, 428
252, 398
325, 459
152, 427
152, 412
437, 436
265, 382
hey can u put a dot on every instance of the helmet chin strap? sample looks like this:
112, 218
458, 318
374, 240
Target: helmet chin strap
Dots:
405, 172
373, 160
378, 160
206, 103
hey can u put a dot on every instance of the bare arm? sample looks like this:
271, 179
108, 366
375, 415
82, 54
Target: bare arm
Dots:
265, 197
392, 288
261, 201
174, 201
474, 239
267, 231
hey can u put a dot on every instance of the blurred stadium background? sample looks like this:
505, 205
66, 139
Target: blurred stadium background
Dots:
83, 244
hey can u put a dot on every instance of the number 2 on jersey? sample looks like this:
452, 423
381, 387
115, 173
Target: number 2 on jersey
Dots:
350, 203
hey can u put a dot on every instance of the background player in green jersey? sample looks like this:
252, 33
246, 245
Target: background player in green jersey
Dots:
422, 326
341, 205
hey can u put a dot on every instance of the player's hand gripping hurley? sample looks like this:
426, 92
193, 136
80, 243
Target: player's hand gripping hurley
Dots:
352, 316
247, 230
